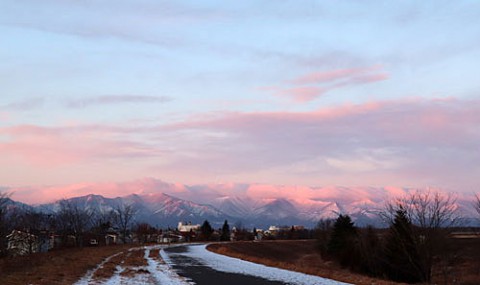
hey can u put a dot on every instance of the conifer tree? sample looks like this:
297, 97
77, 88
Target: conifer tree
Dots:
225, 232
401, 254
341, 245
206, 230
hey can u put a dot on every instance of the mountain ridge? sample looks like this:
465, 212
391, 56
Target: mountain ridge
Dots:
260, 205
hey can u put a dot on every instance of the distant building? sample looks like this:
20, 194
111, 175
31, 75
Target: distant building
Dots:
298, 228
111, 238
170, 237
276, 229
285, 232
187, 227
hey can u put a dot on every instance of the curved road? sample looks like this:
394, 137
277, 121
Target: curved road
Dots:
203, 267
201, 274
192, 264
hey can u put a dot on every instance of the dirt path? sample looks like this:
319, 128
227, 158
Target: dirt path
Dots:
138, 266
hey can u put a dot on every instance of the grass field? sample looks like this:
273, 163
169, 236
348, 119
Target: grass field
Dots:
303, 256
56, 267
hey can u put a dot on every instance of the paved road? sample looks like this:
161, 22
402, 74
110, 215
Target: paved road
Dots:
201, 274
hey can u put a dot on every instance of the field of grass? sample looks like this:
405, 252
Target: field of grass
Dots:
56, 267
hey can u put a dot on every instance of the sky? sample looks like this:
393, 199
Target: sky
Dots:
313, 93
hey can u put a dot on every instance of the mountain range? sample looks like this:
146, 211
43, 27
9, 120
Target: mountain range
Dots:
248, 205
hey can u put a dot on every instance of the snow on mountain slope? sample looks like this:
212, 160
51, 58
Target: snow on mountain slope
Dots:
165, 204
277, 209
235, 206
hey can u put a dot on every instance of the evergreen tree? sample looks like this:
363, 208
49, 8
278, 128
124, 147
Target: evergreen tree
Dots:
342, 243
401, 253
206, 230
225, 232
323, 232
371, 254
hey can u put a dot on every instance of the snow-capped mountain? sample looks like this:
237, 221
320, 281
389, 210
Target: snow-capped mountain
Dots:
157, 209
166, 208
235, 206
11, 206
166, 204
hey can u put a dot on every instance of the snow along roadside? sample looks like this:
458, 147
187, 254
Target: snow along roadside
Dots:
162, 273
234, 265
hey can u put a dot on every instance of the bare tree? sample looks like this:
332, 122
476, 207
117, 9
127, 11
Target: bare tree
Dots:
102, 221
432, 215
144, 232
426, 209
124, 217
476, 204
73, 220
3, 221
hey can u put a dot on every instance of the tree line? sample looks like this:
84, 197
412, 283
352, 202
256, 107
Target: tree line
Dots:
71, 223
417, 238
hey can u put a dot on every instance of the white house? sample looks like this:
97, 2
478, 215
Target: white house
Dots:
188, 227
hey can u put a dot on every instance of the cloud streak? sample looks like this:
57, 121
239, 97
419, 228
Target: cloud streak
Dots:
70, 145
312, 85
24, 105
116, 99
148, 22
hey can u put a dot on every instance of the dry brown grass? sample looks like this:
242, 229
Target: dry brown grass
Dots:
134, 261
155, 254
298, 256
108, 269
464, 268
131, 262
56, 267
135, 258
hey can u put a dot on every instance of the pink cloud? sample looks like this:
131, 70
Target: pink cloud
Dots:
46, 194
303, 93
369, 74
313, 85
325, 76
58, 146
417, 141
412, 119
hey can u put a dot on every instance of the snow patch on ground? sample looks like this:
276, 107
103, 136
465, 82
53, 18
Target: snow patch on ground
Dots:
234, 265
160, 273
87, 279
